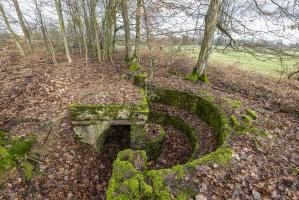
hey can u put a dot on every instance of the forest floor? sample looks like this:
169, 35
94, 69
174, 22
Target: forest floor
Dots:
35, 94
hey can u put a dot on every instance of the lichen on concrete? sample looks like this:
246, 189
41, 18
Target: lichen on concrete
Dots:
96, 112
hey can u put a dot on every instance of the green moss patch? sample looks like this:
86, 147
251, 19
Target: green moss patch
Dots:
27, 170
13, 151
134, 66
194, 77
222, 155
244, 126
128, 181
166, 182
251, 113
171, 183
140, 80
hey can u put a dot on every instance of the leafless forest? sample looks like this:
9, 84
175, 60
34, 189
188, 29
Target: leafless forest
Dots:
103, 99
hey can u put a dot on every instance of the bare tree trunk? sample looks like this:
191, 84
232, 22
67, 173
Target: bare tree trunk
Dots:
83, 34
87, 24
138, 30
108, 28
41, 24
124, 9
95, 29
13, 34
22, 24
43, 28
62, 28
74, 19
211, 20
148, 37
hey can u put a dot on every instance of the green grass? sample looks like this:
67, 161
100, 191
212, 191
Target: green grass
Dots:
245, 60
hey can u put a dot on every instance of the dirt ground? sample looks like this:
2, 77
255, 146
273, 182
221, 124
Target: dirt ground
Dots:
34, 96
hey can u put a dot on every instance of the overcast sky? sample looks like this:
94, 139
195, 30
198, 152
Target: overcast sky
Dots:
264, 28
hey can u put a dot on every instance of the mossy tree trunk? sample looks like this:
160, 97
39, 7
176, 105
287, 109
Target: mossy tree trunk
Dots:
22, 24
12, 33
124, 9
62, 29
211, 20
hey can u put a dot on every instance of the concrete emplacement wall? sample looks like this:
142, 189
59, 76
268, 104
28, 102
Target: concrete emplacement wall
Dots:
92, 123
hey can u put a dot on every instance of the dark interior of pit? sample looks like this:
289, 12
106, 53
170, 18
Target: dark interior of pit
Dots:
118, 139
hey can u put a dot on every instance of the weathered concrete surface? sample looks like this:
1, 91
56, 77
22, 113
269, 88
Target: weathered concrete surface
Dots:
93, 134
92, 122
142, 139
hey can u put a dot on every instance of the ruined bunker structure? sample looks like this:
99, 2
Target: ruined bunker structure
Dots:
92, 122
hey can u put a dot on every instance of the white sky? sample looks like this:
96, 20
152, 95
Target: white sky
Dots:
180, 22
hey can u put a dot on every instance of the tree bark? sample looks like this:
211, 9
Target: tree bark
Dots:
62, 28
211, 20
22, 24
108, 28
95, 29
138, 30
124, 9
13, 34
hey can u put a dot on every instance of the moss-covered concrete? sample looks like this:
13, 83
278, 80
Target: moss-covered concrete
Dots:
179, 124
222, 156
140, 80
194, 104
243, 124
94, 112
159, 184
128, 181
92, 122
174, 183
142, 139
84, 112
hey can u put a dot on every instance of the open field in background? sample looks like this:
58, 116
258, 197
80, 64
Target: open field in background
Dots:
244, 60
